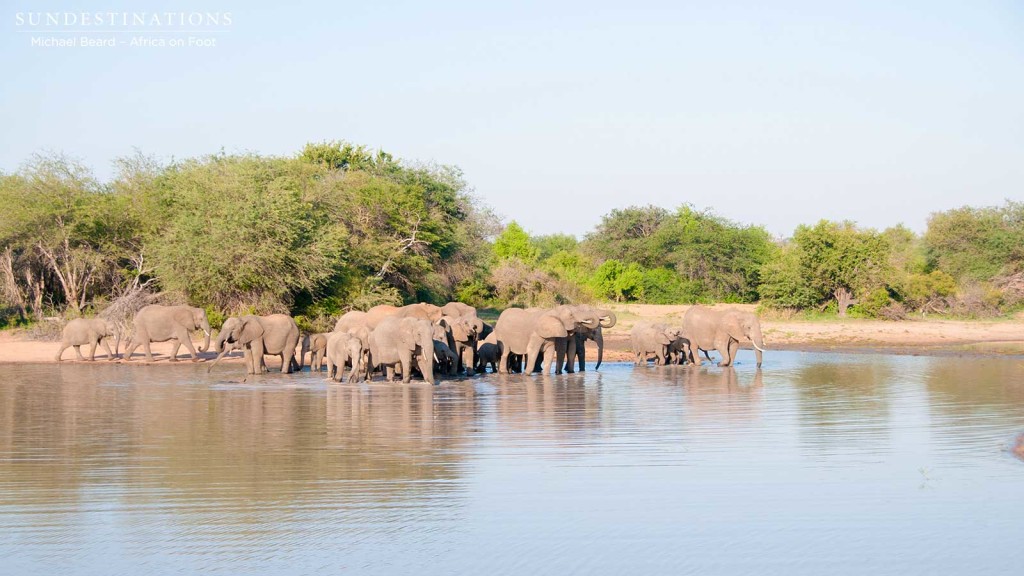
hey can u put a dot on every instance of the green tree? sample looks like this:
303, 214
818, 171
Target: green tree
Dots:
977, 243
618, 281
514, 242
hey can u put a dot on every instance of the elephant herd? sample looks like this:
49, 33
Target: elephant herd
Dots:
702, 329
424, 339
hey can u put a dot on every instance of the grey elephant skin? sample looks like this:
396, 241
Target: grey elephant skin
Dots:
157, 323
275, 335
316, 346
89, 332
398, 341
459, 334
343, 348
577, 349
532, 331
722, 330
646, 338
422, 311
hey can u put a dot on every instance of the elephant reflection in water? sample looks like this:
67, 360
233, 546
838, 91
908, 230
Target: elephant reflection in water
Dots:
560, 407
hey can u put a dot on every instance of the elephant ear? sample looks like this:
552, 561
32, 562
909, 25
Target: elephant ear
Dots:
250, 329
551, 327
408, 333
460, 329
733, 327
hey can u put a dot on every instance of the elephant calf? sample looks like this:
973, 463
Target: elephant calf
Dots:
81, 332
343, 348
316, 346
657, 338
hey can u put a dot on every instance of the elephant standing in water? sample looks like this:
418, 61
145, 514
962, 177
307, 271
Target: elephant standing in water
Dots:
342, 348
577, 344
533, 330
276, 335
316, 346
397, 341
157, 323
722, 330
656, 338
82, 331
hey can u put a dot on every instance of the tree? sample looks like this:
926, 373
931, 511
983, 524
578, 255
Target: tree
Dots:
514, 242
977, 243
626, 235
840, 261
617, 281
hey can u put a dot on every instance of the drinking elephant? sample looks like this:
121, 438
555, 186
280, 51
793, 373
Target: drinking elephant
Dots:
488, 352
479, 332
529, 331
655, 338
157, 323
316, 346
721, 330
397, 341
445, 359
89, 331
577, 345
679, 351
343, 348
460, 335
276, 335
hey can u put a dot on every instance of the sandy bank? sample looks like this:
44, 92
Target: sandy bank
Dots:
907, 337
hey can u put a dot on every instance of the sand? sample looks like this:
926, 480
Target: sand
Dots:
919, 336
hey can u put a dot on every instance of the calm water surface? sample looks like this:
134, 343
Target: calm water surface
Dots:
817, 464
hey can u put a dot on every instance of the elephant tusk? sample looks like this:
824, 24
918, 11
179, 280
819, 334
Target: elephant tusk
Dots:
756, 347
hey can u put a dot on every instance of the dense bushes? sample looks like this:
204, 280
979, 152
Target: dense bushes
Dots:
338, 226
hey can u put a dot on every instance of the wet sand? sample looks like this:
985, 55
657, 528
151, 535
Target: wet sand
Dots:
916, 336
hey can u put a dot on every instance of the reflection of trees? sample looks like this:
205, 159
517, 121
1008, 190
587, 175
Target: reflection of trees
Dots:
843, 404
975, 396
248, 454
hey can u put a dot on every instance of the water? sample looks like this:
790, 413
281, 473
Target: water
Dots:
818, 464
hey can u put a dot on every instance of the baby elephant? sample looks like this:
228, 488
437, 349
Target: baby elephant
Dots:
82, 331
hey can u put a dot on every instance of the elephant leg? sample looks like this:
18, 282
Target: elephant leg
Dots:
60, 352
106, 346
174, 351
406, 359
288, 360
734, 347
581, 354
722, 345
78, 352
92, 351
186, 340
389, 373
659, 357
560, 345
467, 359
503, 364
533, 349
695, 356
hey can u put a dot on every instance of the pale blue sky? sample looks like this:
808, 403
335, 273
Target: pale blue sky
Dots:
775, 113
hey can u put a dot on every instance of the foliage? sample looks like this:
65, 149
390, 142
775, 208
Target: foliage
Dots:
514, 242
616, 281
977, 244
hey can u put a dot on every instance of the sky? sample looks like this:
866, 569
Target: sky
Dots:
771, 113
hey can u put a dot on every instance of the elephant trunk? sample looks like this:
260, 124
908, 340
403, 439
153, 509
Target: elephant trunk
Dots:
206, 338
758, 342
599, 339
608, 318
217, 360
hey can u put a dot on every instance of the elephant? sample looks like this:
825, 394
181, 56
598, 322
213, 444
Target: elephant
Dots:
531, 330
82, 331
446, 361
657, 338
468, 314
343, 348
577, 346
351, 319
422, 311
489, 352
679, 351
397, 341
460, 335
276, 334
316, 346
157, 323
710, 329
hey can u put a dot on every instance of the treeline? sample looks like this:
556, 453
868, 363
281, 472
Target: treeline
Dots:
969, 263
333, 227
338, 227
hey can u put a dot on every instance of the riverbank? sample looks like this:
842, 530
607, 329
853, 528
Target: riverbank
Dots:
925, 336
